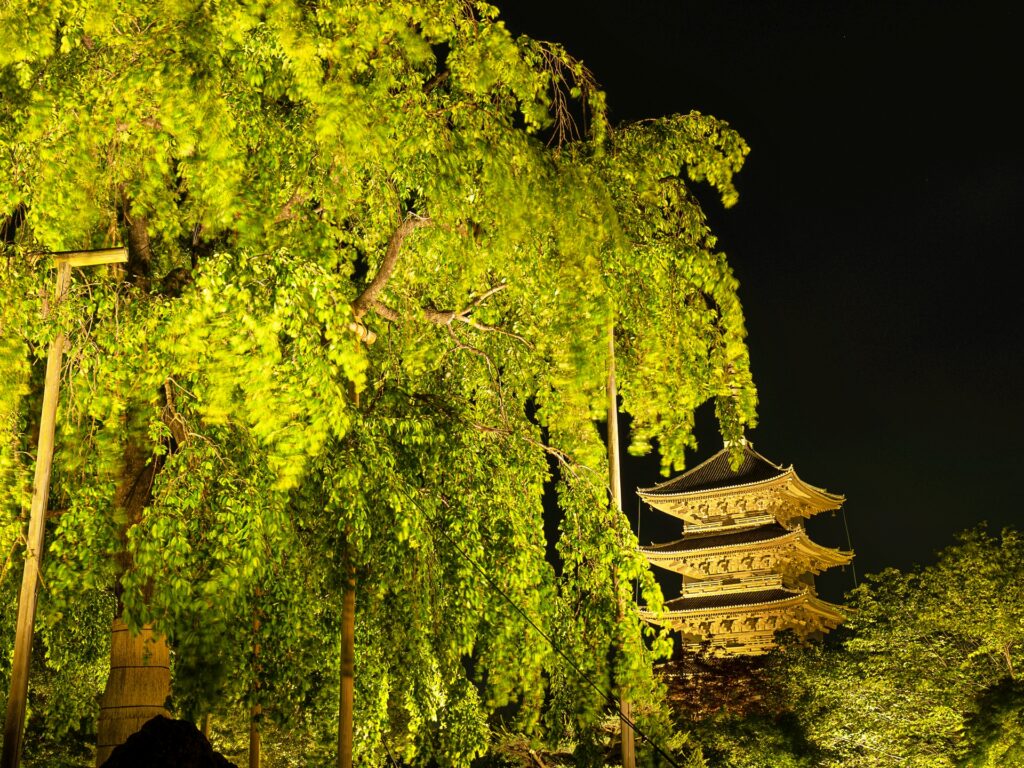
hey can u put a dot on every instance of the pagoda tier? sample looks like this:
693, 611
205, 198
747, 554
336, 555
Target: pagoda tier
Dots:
745, 623
746, 561
737, 554
714, 495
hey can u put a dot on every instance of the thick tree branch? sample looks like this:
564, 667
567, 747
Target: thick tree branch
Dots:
366, 300
385, 311
286, 212
140, 251
449, 316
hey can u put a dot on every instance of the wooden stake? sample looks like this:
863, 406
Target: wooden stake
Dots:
254, 736
348, 665
615, 482
346, 694
255, 719
14, 724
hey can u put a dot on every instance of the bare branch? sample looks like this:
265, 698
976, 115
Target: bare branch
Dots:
493, 329
170, 416
484, 297
435, 81
10, 555
365, 301
564, 459
461, 345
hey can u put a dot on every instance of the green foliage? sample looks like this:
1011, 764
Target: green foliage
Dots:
230, 451
69, 669
925, 672
752, 741
996, 728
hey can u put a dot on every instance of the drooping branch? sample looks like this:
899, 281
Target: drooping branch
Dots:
367, 299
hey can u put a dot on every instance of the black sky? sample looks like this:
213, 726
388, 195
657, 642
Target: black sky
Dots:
876, 240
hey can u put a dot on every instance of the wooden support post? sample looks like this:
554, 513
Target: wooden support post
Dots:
14, 724
255, 740
348, 664
615, 483
347, 688
256, 712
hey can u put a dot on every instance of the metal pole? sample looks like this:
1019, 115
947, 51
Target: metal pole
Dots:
615, 482
14, 724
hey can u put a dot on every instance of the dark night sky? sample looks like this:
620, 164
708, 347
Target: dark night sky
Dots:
874, 240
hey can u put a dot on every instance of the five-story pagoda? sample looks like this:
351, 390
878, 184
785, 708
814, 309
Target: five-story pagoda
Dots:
746, 561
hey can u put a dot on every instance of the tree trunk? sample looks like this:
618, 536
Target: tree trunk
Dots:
137, 688
254, 736
348, 663
140, 681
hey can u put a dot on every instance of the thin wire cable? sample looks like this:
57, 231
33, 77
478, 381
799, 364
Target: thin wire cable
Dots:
608, 697
636, 589
849, 546
391, 757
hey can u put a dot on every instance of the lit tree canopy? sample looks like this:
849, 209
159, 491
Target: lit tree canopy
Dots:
373, 267
927, 673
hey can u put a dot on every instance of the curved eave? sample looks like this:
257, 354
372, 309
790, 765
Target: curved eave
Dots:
649, 494
829, 555
833, 500
748, 448
799, 539
800, 599
784, 602
676, 553
790, 484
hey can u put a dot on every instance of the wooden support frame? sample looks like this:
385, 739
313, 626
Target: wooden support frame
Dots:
91, 258
14, 723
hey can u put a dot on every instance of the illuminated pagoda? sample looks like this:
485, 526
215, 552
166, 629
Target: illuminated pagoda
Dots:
747, 563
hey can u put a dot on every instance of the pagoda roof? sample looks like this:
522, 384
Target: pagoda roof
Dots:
717, 472
729, 600
681, 555
716, 477
690, 542
697, 615
684, 608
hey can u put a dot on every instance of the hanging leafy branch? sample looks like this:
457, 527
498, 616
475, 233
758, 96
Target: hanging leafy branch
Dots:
293, 181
